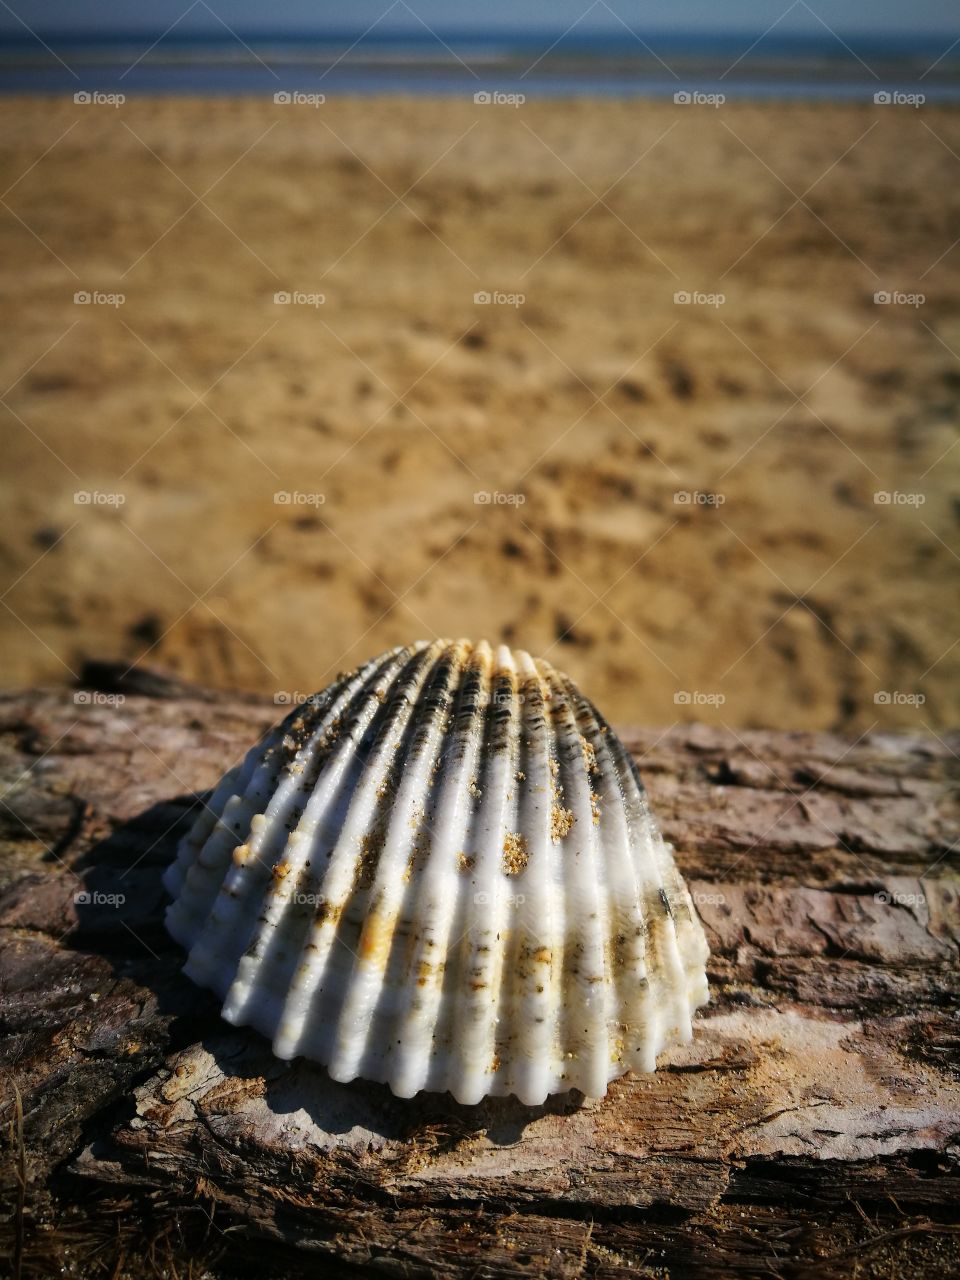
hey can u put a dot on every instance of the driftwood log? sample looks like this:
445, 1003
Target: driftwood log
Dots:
812, 1127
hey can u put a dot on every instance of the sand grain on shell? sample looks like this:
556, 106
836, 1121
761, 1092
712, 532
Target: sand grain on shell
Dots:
514, 854
561, 822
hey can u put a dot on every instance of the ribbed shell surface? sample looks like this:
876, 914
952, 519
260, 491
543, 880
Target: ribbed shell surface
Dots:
442, 873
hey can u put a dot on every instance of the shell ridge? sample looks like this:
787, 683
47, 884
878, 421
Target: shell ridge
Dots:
211, 813
318, 779
691, 941
437, 897
535, 962
328, 947
477, 956
203, 880
387, 941
670, 1003
586, 1026
467, 821
626, 931
514, 862
236, 906
329, 951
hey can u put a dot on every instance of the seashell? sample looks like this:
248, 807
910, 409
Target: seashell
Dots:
441, 873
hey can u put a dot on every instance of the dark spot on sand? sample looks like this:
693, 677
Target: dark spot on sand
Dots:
565, 632
844, 493
51, 381
633, 390
729, 386
46, 537
679, 379
147, 630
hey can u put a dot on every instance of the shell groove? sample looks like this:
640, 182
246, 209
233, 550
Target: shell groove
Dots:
442, 873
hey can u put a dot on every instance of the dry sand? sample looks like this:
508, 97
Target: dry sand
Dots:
798, 599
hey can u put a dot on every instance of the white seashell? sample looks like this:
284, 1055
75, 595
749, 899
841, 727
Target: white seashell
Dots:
442, 873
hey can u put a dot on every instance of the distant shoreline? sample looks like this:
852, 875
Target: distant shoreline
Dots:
502, 86
508, 63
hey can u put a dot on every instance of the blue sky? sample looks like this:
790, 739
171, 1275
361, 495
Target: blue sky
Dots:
748, 18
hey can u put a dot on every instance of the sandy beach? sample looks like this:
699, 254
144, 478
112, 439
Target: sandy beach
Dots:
676, 501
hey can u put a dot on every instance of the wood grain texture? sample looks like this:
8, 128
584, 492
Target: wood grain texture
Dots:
812, 1127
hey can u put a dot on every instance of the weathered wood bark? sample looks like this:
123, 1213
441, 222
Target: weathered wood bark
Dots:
811, 1127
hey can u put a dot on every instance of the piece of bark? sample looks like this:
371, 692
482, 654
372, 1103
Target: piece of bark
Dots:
813, 1125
